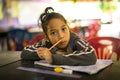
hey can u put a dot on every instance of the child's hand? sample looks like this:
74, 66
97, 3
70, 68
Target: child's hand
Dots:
44, 53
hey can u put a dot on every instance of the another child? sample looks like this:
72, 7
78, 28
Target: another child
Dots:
72, 50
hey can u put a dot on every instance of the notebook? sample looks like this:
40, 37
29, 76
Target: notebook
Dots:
91, 69
7, 57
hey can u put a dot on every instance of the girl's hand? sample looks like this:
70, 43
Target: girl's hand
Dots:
44, 53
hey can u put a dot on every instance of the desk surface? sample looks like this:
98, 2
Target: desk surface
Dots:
10, 72
7, 57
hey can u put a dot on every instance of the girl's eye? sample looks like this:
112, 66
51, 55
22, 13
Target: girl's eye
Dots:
63, 29
53, 33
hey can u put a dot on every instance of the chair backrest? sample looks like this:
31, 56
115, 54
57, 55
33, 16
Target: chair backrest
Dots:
106, 47
37, 38
18, 38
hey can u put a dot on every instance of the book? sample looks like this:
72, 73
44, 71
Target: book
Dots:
90, 69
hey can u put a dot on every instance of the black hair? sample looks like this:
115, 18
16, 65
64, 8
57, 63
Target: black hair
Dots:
47, 16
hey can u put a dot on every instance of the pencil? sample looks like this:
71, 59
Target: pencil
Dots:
55, 44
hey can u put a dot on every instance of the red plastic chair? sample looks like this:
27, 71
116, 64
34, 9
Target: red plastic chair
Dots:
37, 38
106, 47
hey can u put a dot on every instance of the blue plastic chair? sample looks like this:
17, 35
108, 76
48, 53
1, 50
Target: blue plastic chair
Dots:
18, 37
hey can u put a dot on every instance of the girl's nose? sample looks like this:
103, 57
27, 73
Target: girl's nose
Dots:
61, 35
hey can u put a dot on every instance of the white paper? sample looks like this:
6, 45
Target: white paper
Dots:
91, 69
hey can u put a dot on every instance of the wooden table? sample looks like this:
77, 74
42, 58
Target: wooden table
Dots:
10, 72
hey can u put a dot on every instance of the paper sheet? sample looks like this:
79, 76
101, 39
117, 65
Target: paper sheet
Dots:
91, 69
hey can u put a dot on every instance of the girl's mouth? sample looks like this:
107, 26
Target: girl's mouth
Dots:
63, 43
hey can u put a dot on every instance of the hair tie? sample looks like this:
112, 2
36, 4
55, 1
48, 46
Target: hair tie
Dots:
49, 10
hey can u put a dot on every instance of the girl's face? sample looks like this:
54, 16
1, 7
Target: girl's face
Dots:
56, 30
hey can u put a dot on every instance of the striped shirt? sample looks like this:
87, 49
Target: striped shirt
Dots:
78, 52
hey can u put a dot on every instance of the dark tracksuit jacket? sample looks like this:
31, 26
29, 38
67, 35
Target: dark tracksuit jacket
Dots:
79, 52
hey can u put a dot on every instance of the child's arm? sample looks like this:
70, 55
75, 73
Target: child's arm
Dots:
83, 54
30, 52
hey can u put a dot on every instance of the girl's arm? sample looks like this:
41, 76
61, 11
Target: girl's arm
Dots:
83, 54
30, 52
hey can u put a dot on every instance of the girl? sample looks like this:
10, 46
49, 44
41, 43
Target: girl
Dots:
71, 49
